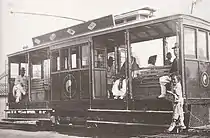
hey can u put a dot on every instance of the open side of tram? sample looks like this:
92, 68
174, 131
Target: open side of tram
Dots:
69, 79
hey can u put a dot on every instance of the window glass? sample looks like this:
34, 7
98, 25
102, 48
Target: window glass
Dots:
74, 57
85, 56
14, 70
189, 42
202, 45
150, 48
99, 55
209, 47
55, 61
64, 59
36, 71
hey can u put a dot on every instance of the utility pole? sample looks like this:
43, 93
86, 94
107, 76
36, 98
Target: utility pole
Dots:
49, 15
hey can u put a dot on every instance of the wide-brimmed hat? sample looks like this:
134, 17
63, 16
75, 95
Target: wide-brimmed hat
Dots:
111, 59
175, 46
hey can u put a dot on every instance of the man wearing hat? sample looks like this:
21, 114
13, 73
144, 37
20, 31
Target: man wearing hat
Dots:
20, 86
166, 79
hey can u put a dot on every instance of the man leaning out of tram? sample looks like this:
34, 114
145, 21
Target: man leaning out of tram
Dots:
20, 86
167, 79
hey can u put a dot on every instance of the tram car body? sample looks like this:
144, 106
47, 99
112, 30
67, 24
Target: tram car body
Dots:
71, 86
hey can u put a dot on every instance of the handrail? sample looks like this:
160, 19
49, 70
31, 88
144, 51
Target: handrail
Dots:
3, 86
4, 74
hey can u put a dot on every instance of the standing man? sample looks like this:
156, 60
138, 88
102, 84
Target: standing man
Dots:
167, 79
21, 86
110, 76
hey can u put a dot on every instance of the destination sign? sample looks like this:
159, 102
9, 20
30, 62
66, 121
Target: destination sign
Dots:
69, 32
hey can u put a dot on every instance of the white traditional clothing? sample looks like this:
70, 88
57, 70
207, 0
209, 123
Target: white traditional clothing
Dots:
178, 113
119, 92
20, 87
163, 81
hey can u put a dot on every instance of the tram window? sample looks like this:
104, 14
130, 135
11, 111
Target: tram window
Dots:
100, 59
85, 56
25, 65
74, 57
14, 70
55, 61
209, 46
202, 45
152, 47
64, 59
47, 68
189, 42
36, 71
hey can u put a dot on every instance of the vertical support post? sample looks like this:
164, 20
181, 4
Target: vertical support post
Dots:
42, 69
19, 68
51, 70
91, 74
181, 59
8, 79
116, 57
165, 49
129, 67
29, 76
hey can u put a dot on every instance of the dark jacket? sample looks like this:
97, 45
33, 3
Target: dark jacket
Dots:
174, 67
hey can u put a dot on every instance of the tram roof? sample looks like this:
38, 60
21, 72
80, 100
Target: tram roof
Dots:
117, 28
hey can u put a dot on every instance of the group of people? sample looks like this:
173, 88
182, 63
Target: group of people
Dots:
117, 86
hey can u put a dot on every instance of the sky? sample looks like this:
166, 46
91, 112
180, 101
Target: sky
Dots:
17, 30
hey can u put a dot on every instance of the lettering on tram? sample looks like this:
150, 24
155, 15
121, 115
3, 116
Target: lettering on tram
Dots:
129, 69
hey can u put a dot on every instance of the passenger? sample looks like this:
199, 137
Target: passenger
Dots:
110, 76
119, 88
20, 87
178, 114
168, 60
134, 66
152, 61
167, 79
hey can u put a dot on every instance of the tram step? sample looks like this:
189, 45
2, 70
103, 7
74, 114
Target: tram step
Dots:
130, 111
21, 109
125, 123
25, 119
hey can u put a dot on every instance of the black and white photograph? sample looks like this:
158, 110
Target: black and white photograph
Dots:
104, 69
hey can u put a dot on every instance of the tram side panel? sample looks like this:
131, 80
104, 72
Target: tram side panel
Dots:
198, 91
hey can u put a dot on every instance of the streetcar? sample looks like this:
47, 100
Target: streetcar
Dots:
68, 77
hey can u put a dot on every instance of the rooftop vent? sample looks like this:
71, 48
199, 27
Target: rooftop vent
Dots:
139, 14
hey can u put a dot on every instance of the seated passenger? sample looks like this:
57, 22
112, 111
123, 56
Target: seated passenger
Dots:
20, 87
134, 67
119, 88
168, 60
110, 76
167, 79
152, 61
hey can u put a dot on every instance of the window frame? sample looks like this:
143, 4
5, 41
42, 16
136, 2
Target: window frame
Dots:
206, 45
195, 42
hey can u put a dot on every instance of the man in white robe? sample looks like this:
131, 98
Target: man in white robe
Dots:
20, 87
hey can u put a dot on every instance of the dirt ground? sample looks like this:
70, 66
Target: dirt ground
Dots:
9, 133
